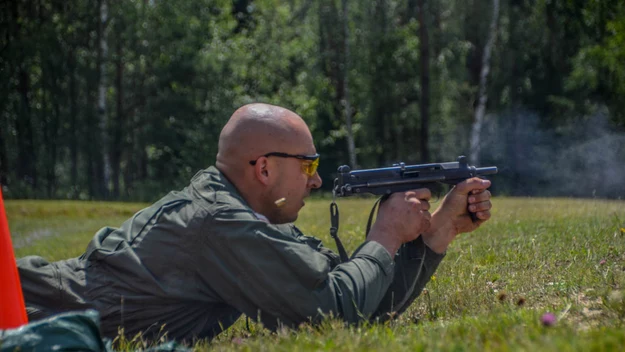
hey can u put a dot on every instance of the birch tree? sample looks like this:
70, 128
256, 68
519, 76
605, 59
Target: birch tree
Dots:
351, 149
478, 120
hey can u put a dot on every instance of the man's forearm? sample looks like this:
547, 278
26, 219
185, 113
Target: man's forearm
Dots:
390, 244
386, 237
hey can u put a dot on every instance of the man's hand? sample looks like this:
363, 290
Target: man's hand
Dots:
453, 217
401, 218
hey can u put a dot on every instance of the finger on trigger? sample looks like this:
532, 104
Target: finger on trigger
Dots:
423, 193
471, 185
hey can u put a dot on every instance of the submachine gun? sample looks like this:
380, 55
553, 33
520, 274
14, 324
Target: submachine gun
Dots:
398, 178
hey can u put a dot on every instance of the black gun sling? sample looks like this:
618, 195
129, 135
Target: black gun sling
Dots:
334, 229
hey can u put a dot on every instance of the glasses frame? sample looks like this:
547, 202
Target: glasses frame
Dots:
314, 158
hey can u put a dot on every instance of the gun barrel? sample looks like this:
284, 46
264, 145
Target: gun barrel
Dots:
486, 170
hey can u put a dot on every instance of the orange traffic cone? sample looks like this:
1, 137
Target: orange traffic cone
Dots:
12, 310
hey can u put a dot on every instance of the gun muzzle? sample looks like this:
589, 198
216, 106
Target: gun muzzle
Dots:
491, 170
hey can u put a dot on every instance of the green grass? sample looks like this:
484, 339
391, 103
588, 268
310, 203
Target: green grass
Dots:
565, 256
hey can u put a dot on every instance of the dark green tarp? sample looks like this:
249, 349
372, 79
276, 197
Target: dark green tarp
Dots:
73, 331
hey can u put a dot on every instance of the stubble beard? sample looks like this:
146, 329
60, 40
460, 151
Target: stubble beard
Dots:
279, 214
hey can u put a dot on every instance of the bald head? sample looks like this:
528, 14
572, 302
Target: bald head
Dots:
252, 132
257, 129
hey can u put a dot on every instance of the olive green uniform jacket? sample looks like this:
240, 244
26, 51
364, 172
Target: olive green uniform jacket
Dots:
191, 263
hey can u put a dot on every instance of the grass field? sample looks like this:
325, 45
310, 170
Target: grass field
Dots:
564, 256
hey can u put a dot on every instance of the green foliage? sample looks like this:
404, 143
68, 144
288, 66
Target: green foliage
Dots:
175, 71
598, 68
534, 256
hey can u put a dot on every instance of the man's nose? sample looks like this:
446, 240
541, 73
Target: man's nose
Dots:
315, 181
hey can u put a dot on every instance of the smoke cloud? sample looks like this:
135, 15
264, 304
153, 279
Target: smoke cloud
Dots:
574, 159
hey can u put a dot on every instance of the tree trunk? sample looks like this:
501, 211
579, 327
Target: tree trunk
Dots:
332, 53
241, 13
51, 136
26, 170
116, 145
102, 115
332, 61
26, 157
73, 124
482, 95
379, 86
513, 139
132, 123
50, 114
474, 36
44, 121
52, 181
351, 148
91, 142
424, 60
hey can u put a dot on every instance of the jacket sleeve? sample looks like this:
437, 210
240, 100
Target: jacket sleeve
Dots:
268, 273
415, 263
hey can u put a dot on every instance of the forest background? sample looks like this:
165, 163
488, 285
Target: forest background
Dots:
125, 99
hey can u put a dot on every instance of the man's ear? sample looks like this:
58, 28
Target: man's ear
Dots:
262, 170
